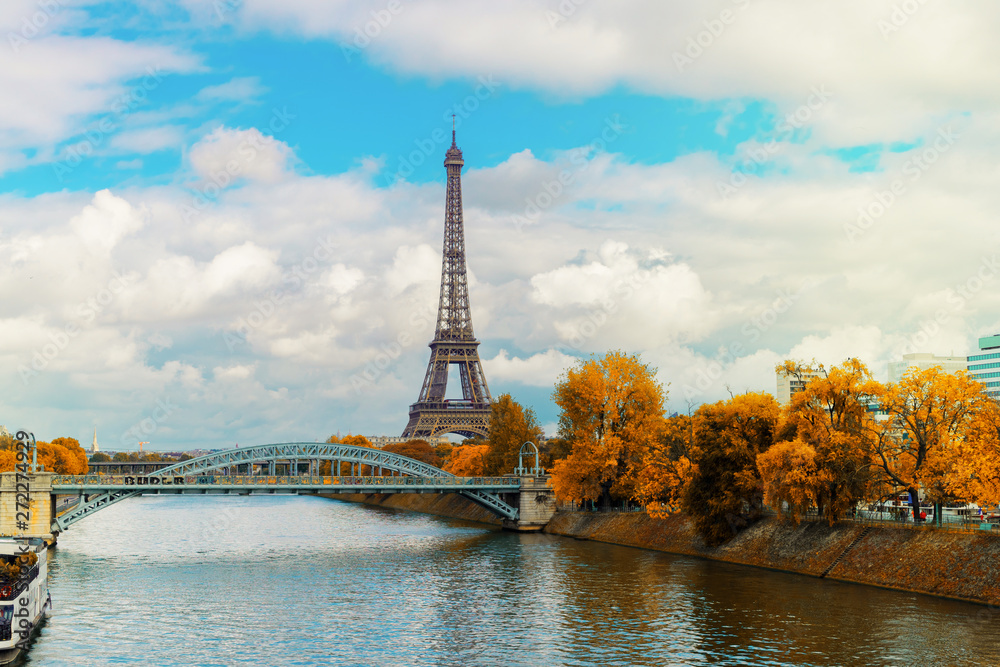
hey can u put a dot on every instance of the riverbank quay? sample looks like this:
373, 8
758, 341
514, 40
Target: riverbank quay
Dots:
943, 563
956, 565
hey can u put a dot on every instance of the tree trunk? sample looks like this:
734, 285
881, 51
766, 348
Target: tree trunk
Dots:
915, 504
605, 499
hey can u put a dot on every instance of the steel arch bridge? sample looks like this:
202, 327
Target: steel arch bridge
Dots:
415, 476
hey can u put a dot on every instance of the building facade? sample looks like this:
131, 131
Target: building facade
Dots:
380, 441
985, 366
923, 361
789, 385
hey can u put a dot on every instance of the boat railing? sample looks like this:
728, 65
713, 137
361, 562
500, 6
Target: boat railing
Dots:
11, 590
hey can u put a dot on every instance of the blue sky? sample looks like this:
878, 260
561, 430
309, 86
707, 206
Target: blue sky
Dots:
219, 218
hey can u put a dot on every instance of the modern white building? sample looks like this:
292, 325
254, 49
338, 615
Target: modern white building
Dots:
923, 361
985, 366
789, 385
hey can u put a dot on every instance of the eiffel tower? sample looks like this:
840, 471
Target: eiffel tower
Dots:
454, 342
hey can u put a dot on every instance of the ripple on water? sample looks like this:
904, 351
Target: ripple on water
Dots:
306, 581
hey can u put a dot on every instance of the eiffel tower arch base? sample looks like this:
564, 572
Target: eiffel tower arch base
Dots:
430, 419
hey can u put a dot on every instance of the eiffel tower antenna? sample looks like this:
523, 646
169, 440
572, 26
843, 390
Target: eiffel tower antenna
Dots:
454, 341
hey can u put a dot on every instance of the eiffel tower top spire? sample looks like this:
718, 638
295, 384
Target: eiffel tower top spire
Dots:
454, 318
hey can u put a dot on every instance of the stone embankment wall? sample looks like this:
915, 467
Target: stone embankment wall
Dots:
955, 565
948, 564
449, 505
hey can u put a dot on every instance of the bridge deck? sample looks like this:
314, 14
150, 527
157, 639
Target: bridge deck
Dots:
76, 484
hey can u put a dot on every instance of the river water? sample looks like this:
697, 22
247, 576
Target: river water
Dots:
285, 580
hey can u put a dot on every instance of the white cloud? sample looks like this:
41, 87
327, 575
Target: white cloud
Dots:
179, 286
263, 307
342, 280
413, 265
886, 84
227, 155
538, 370
862, 342
148, 140
614, 298
239, 89
104, 223
64, 83
237, 373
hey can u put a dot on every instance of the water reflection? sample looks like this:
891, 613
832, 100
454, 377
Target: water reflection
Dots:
307, 581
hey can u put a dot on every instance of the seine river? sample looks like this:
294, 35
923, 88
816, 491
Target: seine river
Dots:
284, 580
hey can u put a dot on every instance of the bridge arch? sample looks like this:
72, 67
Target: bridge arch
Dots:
301, 451
326, 451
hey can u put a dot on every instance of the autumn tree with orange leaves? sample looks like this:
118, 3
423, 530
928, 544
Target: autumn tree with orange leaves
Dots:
511, 425
611, 413
725, 492
63, 455
344, 468
468, 460
667, 467
823, 457
934, 419
976, 468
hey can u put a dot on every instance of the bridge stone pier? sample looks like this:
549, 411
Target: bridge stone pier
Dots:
42, 508
536, 503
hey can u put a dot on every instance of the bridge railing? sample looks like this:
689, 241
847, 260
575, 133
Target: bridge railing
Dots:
272, 480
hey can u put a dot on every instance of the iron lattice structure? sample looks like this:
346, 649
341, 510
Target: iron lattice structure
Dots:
454, 340
422, 478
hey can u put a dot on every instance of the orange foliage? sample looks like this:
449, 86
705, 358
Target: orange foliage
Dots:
977, 462
936, 419
468, 460
612, 411
790, 476
420, 450
828, 461
63, 456
511, 425
667, 468
726, 491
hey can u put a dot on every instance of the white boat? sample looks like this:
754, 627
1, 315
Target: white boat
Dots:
24, 593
